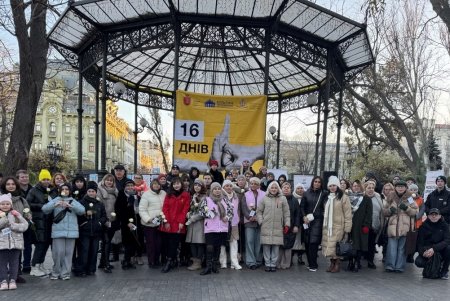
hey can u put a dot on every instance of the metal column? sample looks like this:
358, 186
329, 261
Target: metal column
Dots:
80, 119
136, 97
339, 125
103, 170
266, 81
316, 156
326, 110
97, 125
176, 70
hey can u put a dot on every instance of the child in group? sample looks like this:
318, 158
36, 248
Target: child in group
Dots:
91, 230
12, 225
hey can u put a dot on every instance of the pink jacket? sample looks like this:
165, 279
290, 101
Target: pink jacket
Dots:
250, 199
216, 224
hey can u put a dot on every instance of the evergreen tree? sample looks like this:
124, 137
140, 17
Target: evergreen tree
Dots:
434, 154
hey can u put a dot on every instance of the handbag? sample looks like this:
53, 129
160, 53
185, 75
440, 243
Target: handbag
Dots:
432, 267
61, 214
344, 248
289, 240
411, 239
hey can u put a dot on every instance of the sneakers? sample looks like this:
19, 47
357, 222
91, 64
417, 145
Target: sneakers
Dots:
139, 260
43, 269
12, 285
312, 270
54, 277
444, 276
4, 285
66, 278
37, 271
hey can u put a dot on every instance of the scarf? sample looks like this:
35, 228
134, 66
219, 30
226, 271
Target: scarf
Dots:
328, 220
218, 202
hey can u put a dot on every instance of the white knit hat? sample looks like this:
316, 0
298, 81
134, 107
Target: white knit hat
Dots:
333, 180
6, 198
226, 182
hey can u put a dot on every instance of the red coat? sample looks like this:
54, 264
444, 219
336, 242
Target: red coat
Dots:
175, 209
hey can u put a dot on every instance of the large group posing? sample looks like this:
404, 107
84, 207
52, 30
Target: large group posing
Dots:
215, 220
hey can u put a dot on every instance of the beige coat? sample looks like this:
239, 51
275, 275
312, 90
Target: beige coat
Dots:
273, 214
400, 222
17, 225
150, 206
342, 223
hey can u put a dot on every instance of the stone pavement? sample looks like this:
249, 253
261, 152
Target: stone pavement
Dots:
294, 284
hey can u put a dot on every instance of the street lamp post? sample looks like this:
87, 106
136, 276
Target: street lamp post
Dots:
143, 123
55, 153
276, 137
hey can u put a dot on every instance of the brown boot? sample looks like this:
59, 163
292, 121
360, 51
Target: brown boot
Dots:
332, 263
196, 265
337, 267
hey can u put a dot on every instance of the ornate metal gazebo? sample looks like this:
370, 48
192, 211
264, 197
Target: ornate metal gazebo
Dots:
285, 49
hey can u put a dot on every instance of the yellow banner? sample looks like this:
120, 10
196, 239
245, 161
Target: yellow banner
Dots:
228, 129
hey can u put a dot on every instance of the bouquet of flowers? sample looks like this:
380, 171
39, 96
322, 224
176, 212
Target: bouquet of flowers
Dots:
91, 211
205, 211
159, 219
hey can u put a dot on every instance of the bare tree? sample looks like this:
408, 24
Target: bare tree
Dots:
390, 105
155, 127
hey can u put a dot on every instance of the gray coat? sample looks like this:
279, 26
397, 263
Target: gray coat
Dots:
196, 229
273, 214
14, 240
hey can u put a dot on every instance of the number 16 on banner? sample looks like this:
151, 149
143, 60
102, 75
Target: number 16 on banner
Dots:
189, 130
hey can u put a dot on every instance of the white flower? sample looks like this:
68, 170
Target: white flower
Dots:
242, 190
113, 214
48, 189
414, 195
206, 208
63, 193
161, 213
165, 221
131, 220
163, 216
92, 205
196, 204
2, 214
75, 192
26, 210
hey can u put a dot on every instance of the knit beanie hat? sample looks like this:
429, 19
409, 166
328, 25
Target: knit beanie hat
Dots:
413, 187
333, 180
161, 175
442, 178
227, 182
92, 185
44, 174
6, 198
214, 185
199, 181
213, 162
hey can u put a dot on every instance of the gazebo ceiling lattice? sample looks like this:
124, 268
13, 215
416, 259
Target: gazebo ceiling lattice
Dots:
282, 48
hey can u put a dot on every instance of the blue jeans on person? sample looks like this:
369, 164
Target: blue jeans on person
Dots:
395, 254
253, 254
27, 250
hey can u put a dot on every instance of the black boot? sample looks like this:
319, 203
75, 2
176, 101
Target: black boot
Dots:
208, 269
357, 263
216, 266
115, 249
168, 266
350, 265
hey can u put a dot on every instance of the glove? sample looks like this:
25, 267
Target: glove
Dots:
15, 213
393, 210
285, 229
365, 230
403, 206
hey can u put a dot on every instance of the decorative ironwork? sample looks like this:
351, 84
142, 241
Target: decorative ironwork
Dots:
93, 54
70, 56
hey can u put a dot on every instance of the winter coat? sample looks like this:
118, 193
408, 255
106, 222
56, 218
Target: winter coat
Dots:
19, 203
420, 213
362, 217
24, 192
196, 228
217, 176
140, 189
273, 214
294, 210
342, 223
433, 235
309, 200
17, 225
36, 198
68, 226
216, 224
92, 226
150, 206
175, 209
108, 197
440, 200
400, 222
124, 207
251, 198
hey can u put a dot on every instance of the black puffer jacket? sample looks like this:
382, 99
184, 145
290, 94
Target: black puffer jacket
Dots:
309, 201
440, 200
92, 226
433, 235
36, 198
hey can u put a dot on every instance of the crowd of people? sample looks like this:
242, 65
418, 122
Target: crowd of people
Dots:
216, 220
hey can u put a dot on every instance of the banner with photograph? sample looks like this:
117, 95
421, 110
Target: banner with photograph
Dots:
228, 129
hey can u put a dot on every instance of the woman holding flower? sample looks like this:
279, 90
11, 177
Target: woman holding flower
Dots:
107, 194
64, 232
175, 207
12, 225
195, 228
218, 212
274, 217
150, 210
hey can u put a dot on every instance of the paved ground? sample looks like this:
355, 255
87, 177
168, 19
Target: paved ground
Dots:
294, 284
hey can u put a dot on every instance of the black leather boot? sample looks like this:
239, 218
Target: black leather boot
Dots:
168, 266
209, 264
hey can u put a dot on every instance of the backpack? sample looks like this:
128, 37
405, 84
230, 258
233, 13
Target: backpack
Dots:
432, 267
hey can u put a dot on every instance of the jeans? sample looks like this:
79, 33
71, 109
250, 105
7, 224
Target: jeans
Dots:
253, 246
395, 254
153, 244
87, 248
27, 236
270, 255
9, 264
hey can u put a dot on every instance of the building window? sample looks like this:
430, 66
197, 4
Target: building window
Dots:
52, 128
91, 129
67, 128
67, 146
91, 147
67, 110
38, 127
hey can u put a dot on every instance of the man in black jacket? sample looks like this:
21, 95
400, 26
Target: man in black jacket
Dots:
440, 199
434, 236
